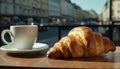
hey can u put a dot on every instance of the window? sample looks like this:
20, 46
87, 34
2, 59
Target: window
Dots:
5, 1
13, 1
14, 8
5, 9
23, 0
119, 5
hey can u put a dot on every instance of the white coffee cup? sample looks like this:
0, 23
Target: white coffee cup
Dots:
23, 36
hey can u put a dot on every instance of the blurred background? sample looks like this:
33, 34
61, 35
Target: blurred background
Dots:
50, 14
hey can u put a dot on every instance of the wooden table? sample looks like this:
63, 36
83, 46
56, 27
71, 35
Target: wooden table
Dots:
39, 60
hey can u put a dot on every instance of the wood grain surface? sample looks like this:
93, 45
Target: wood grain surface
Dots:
39, 60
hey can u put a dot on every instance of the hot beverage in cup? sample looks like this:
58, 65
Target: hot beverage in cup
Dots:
23, 36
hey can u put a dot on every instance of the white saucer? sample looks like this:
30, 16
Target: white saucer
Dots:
36, 48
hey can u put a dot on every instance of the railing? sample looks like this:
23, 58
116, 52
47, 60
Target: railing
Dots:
61, 26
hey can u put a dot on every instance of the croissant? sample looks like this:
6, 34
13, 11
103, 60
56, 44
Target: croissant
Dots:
81, 42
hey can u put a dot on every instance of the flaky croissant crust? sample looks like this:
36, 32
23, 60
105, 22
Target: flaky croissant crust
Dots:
81, 42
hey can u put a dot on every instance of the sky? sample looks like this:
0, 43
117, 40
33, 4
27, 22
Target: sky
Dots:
96, 5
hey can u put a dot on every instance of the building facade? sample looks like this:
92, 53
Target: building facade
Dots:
105, 13
115, 11
54, 11
7, 7
6, 11
37, 10
78, 13
115, 17
70, 11
42, 11
66, 11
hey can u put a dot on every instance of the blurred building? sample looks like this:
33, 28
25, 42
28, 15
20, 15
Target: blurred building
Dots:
70, 11
23, 9
93, 13
105, 13
115, 17
42, 11
6, 9
66, 11
78, 13
115, 11
54, 10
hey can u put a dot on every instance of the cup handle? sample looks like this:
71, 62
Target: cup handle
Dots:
3, 38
